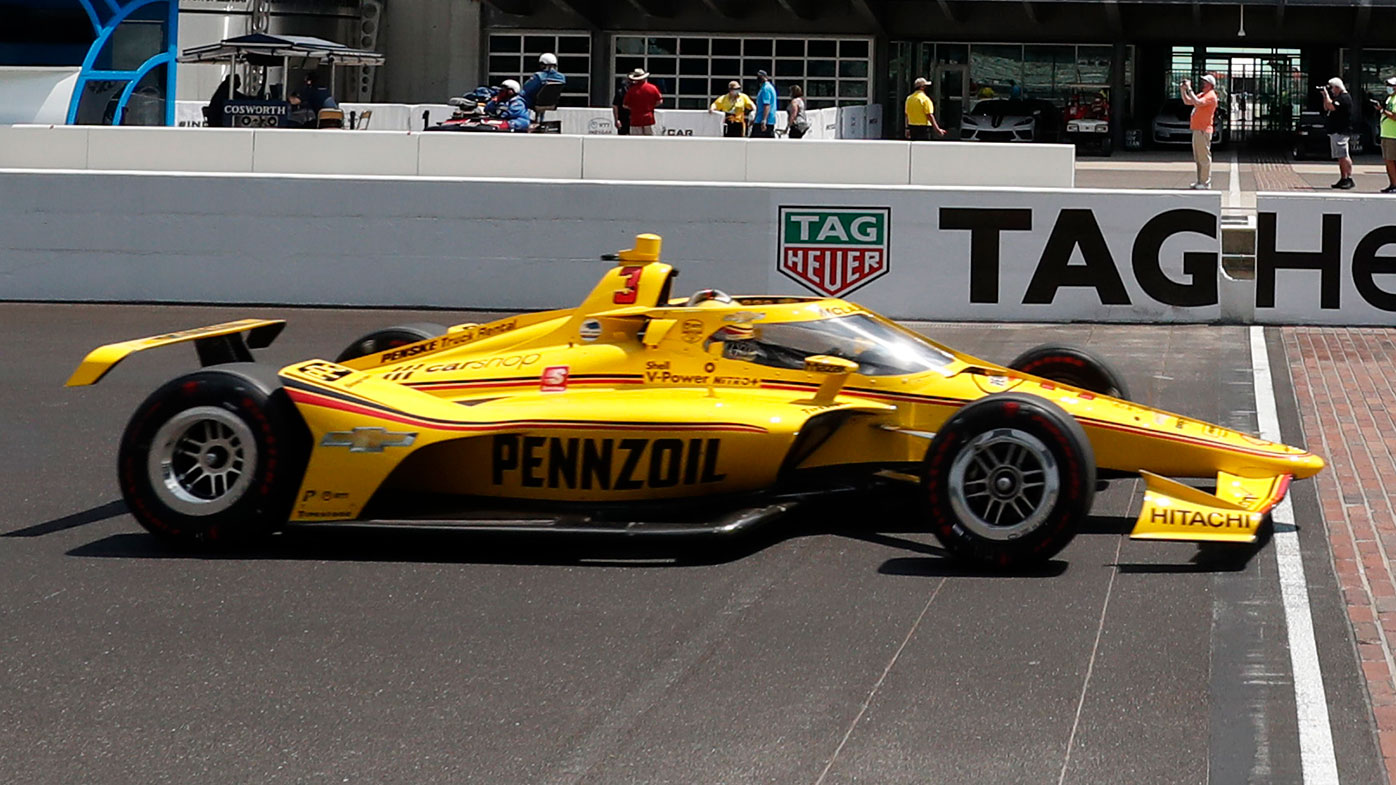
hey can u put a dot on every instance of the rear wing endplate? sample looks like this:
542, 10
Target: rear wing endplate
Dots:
216, 343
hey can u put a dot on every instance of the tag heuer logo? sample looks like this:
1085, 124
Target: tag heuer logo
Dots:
834, 250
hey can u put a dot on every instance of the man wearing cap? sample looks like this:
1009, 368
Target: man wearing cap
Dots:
547, 74
764, 123
1204, 108
921, 113
1337, 102
641, 99
508, 106
734, 105
1388, 134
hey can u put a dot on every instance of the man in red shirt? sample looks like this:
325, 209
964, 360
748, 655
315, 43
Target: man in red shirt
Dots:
1204, 107
641, 99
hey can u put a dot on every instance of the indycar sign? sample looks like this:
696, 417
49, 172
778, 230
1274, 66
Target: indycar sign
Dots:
833, 251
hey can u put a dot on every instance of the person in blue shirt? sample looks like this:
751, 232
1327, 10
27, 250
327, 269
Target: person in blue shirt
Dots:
509, 106
763, 125
547, 74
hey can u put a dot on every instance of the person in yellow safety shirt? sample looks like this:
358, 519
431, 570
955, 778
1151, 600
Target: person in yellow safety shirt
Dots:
1387, 109
734, 105
921, 113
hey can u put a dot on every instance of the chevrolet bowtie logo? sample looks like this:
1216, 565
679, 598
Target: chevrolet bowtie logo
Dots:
367, 439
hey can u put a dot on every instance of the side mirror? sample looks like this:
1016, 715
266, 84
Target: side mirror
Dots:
835, 370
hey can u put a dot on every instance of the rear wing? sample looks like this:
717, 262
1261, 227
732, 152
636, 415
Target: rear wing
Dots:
216, 343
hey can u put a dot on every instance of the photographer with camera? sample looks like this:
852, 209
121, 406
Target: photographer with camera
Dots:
1204, 108
1337, 102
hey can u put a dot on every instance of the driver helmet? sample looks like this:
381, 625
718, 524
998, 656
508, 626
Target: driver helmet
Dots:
548, 60
511, 85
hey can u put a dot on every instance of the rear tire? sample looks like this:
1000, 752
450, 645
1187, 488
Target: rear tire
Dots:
390, 338
214, 456
1008, 480
1074, 366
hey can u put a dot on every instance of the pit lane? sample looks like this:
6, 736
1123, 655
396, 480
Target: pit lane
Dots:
826, 652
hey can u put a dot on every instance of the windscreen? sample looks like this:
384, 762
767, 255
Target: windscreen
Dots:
879, 349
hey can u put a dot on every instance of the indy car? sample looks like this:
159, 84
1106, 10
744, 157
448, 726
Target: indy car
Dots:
634, 409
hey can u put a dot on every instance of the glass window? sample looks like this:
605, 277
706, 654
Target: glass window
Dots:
793, 68
853, 48
515, 56
1093, 64
703, 66
992, 66
663, 46
574, 44
726, 67
505, 43
146, 106
629, 45
952, 54
727, 47
757, 47
97, 103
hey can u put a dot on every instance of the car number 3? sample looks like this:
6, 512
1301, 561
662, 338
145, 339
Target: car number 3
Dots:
627, 295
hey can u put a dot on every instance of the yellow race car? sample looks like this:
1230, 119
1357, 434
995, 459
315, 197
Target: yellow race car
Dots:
633, 410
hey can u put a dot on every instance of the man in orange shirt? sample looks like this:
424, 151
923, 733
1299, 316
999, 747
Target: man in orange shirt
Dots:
1204, 107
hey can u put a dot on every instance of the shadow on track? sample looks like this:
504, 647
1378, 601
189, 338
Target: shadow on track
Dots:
328, 542
95, 515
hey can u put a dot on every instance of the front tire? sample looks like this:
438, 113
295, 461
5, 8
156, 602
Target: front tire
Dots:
214, 456
1074, 366
1008, 480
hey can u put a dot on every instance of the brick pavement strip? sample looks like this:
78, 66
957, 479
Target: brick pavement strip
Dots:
1343, 380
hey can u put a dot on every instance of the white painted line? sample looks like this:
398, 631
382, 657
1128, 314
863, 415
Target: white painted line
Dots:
1319, 763
1233, 191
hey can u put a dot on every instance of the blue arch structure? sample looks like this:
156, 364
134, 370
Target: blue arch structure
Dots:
106, 16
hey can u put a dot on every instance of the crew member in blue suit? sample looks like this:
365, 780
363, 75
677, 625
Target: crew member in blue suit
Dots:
547, 74
507, 105
763, 125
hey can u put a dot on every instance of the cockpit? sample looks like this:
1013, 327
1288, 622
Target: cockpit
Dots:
878, 348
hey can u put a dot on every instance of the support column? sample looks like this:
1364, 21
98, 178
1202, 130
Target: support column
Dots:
1117, 95
432, 50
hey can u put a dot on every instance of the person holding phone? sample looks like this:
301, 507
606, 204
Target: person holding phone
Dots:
1387, 109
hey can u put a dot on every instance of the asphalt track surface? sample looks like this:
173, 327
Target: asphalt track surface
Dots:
839, 648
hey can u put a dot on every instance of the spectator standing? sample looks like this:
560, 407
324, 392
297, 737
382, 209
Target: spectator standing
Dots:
1388, 134
619, 114
547, 74
797, 121
764, 124
641, 99
735, 106
1337, 102
921, 113
1204, 108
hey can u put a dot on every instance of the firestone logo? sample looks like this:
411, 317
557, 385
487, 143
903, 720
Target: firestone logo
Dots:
834, 251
